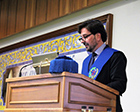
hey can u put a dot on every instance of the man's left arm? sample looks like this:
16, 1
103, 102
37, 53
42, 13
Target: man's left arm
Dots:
118, 72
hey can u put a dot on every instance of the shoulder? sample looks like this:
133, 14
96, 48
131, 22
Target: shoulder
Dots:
117, 53
118, 57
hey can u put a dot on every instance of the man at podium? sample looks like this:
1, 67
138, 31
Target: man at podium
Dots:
104, 64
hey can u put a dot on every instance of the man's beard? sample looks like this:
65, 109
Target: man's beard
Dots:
90, 48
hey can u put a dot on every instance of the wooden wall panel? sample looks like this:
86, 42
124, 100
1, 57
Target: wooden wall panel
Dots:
12, 11
69, 6
41, 11
0, 11
78, 4
30, 14
3, 18
19, 15
65, 7
20, 19
94, 2
53, 9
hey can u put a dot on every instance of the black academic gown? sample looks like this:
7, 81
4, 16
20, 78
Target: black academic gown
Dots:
113, 74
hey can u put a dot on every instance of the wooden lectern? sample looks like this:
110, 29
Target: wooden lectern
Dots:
66, 92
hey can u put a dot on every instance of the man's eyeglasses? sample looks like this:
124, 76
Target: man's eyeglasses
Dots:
81, 38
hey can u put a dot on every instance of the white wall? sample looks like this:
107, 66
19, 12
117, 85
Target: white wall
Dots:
126, 29
126, 37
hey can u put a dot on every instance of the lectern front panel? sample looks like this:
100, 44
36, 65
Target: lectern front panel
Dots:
64, 92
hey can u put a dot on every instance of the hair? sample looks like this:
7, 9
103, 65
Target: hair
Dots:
94, 26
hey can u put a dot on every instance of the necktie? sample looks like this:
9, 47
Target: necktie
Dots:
92, 60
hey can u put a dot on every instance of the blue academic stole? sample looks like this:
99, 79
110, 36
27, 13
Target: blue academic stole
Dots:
98, 64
